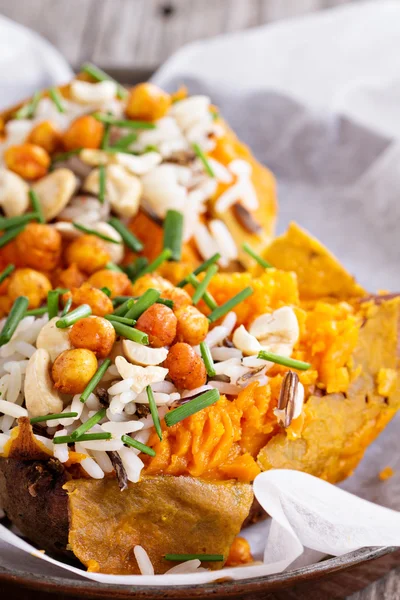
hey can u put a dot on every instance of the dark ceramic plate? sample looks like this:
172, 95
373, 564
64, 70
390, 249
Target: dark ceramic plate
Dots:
223, 590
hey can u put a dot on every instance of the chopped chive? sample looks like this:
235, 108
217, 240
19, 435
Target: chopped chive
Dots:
106, 137
173, 233
67, 307
283, 360
10, 222
110, 266
66, 155
106, 238
154, 411
202, 288
136, 266
89, 423
202, 557
102, 184
149, 298
123, 309
97, 377
215, 115
203, 267
151, 148
100, 75
6, 273
57, 99
36, 206
203, 159
28, 110
86, 437
118, 319
225, 308
120, 299
130, 333
16, 314
208, 299
166, 302
138, 445
190, 408
61, 290
261, 261
106, 291
130, 240
123, 122
207, 358
10, 234
124, 142
36, 312
53, 417
75, 315
163, 256
52, 303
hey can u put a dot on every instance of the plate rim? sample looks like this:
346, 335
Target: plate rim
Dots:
91, 589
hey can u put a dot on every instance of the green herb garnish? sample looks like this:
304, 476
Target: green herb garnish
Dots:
102, 183
89, 423
36, 206
6, 273
66, 155
225, 308
154, 411
52, 303
124, 142
261, 261
28, 110
75, 315
16, 314
93, 383
149, 298
123, 122
283, 360
207, 358
36, 312
10, 234
100, 75
67, 306
202, 287
130, 333
173, 233
53, 417
86, 437
162, 257
106, 238
202, 557
11, 222
125, 306
203, 267
130, 240
138, 445
57, 99
110, 266
190, 408
117, 319
203, 159
208, 299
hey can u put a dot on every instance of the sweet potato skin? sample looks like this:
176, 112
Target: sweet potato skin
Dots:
32, 496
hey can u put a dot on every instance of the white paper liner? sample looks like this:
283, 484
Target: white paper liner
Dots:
306, 512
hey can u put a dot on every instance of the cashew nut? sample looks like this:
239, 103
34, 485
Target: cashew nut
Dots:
14, 193
55, 190
279, 328
116, 251
92, 93
123, 190
246, 342
41, 398
139, 165
53, 339
94, 158
143, 355
142, 376
163, 189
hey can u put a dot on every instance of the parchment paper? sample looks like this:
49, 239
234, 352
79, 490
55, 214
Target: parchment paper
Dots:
342, 182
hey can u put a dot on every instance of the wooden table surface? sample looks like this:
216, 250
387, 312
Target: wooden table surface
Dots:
132, 38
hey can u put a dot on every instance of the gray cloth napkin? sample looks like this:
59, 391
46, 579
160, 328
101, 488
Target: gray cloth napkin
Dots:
336, 178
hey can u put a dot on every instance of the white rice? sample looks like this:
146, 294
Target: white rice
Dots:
61, 450
122, 386
226, 388
188, 566
143, 561
118, 429
3, 441
131, 462
104, 445
103, 461
221, 353
13, 410
195, 391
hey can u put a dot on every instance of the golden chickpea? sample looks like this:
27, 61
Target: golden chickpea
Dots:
186, 369
118, 283
29, 283
159, 322
148, 281
240, 553
71, 277
73, 369
192, 325
39, 246
27, 160
95, 334
84, 132
98, 301
88, 252
5, 305
46, 135
147, 102
179, 297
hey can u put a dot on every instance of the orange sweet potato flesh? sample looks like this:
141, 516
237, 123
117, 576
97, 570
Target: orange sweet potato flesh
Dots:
319, 273
163, 514
339, 427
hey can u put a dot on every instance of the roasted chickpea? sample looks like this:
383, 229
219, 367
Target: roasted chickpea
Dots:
27, 160
179, 297
46, 135
150, 281
73, 369
88, 252
84, 132
186, 369
5, 305
240, 553
118, 283
29, 283
98, 301
192, 325
159, 322
147, 102
39, 246
71, 277
95, 334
